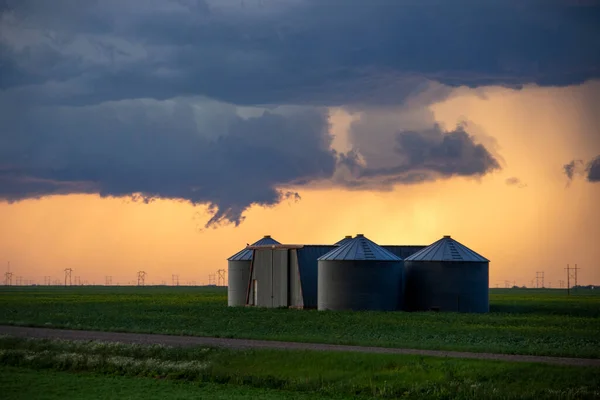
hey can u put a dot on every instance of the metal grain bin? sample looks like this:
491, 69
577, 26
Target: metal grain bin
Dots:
447, 276
359, 275
238, 273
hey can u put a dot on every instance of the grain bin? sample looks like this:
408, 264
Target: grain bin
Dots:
359, 275
238, 273
447, 276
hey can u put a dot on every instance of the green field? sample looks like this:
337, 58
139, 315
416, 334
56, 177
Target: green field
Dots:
202, 371
28, 384
539, 322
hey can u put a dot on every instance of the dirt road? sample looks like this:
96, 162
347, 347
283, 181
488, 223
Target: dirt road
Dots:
168, 340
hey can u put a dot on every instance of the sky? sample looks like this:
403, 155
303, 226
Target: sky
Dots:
165, 135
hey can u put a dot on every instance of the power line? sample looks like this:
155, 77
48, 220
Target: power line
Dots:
8, 276
571, 274
68, 272
539, 278
141, 278
221, 281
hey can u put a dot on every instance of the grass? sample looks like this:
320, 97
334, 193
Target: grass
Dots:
27, 384
341, 375
537, 322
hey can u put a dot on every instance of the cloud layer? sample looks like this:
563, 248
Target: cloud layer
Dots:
224, 103
309, 51
201, 152
416, 156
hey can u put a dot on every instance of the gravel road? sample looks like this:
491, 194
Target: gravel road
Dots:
171, 340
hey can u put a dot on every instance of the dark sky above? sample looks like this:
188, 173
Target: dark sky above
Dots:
224, 102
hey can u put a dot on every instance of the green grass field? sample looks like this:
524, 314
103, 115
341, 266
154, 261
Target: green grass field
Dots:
28, 384
272, 373
539, 322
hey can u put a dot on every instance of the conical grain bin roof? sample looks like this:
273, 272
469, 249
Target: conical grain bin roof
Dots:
344, 240
246, 254
447, 249
357, 249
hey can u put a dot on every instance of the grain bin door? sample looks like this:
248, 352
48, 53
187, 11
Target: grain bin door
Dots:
262, 274
280, 278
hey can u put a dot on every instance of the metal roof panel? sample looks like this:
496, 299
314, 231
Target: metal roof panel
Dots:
359, 248
447, 249
343, 241
246, 253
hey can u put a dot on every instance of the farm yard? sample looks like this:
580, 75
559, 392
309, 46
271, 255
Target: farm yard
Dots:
531, 322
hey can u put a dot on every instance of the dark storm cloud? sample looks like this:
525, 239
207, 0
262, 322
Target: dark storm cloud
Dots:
593, 170
80, 83
303, 51
514, 181
158, 150
420, 156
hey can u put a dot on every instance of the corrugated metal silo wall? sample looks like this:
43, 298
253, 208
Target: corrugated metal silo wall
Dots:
238, 275
309, 275
447, 286
359, 285
271, 276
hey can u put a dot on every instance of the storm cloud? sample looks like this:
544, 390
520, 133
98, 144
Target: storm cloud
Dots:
200, 151
225, 102
593, 170
419, 156
301, 51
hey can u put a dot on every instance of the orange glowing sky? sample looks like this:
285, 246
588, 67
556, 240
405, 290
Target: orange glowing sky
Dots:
541, 227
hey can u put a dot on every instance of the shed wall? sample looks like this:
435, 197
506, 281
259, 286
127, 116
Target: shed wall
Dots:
238, 275
295, 293
271, 276
280, 284
447, 286
359, 285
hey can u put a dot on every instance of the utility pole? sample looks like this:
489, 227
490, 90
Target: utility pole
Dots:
175, 280
211, 279
571, 274
8, 276
68, 272
539, 277
107, 280
141, 276
221, 273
